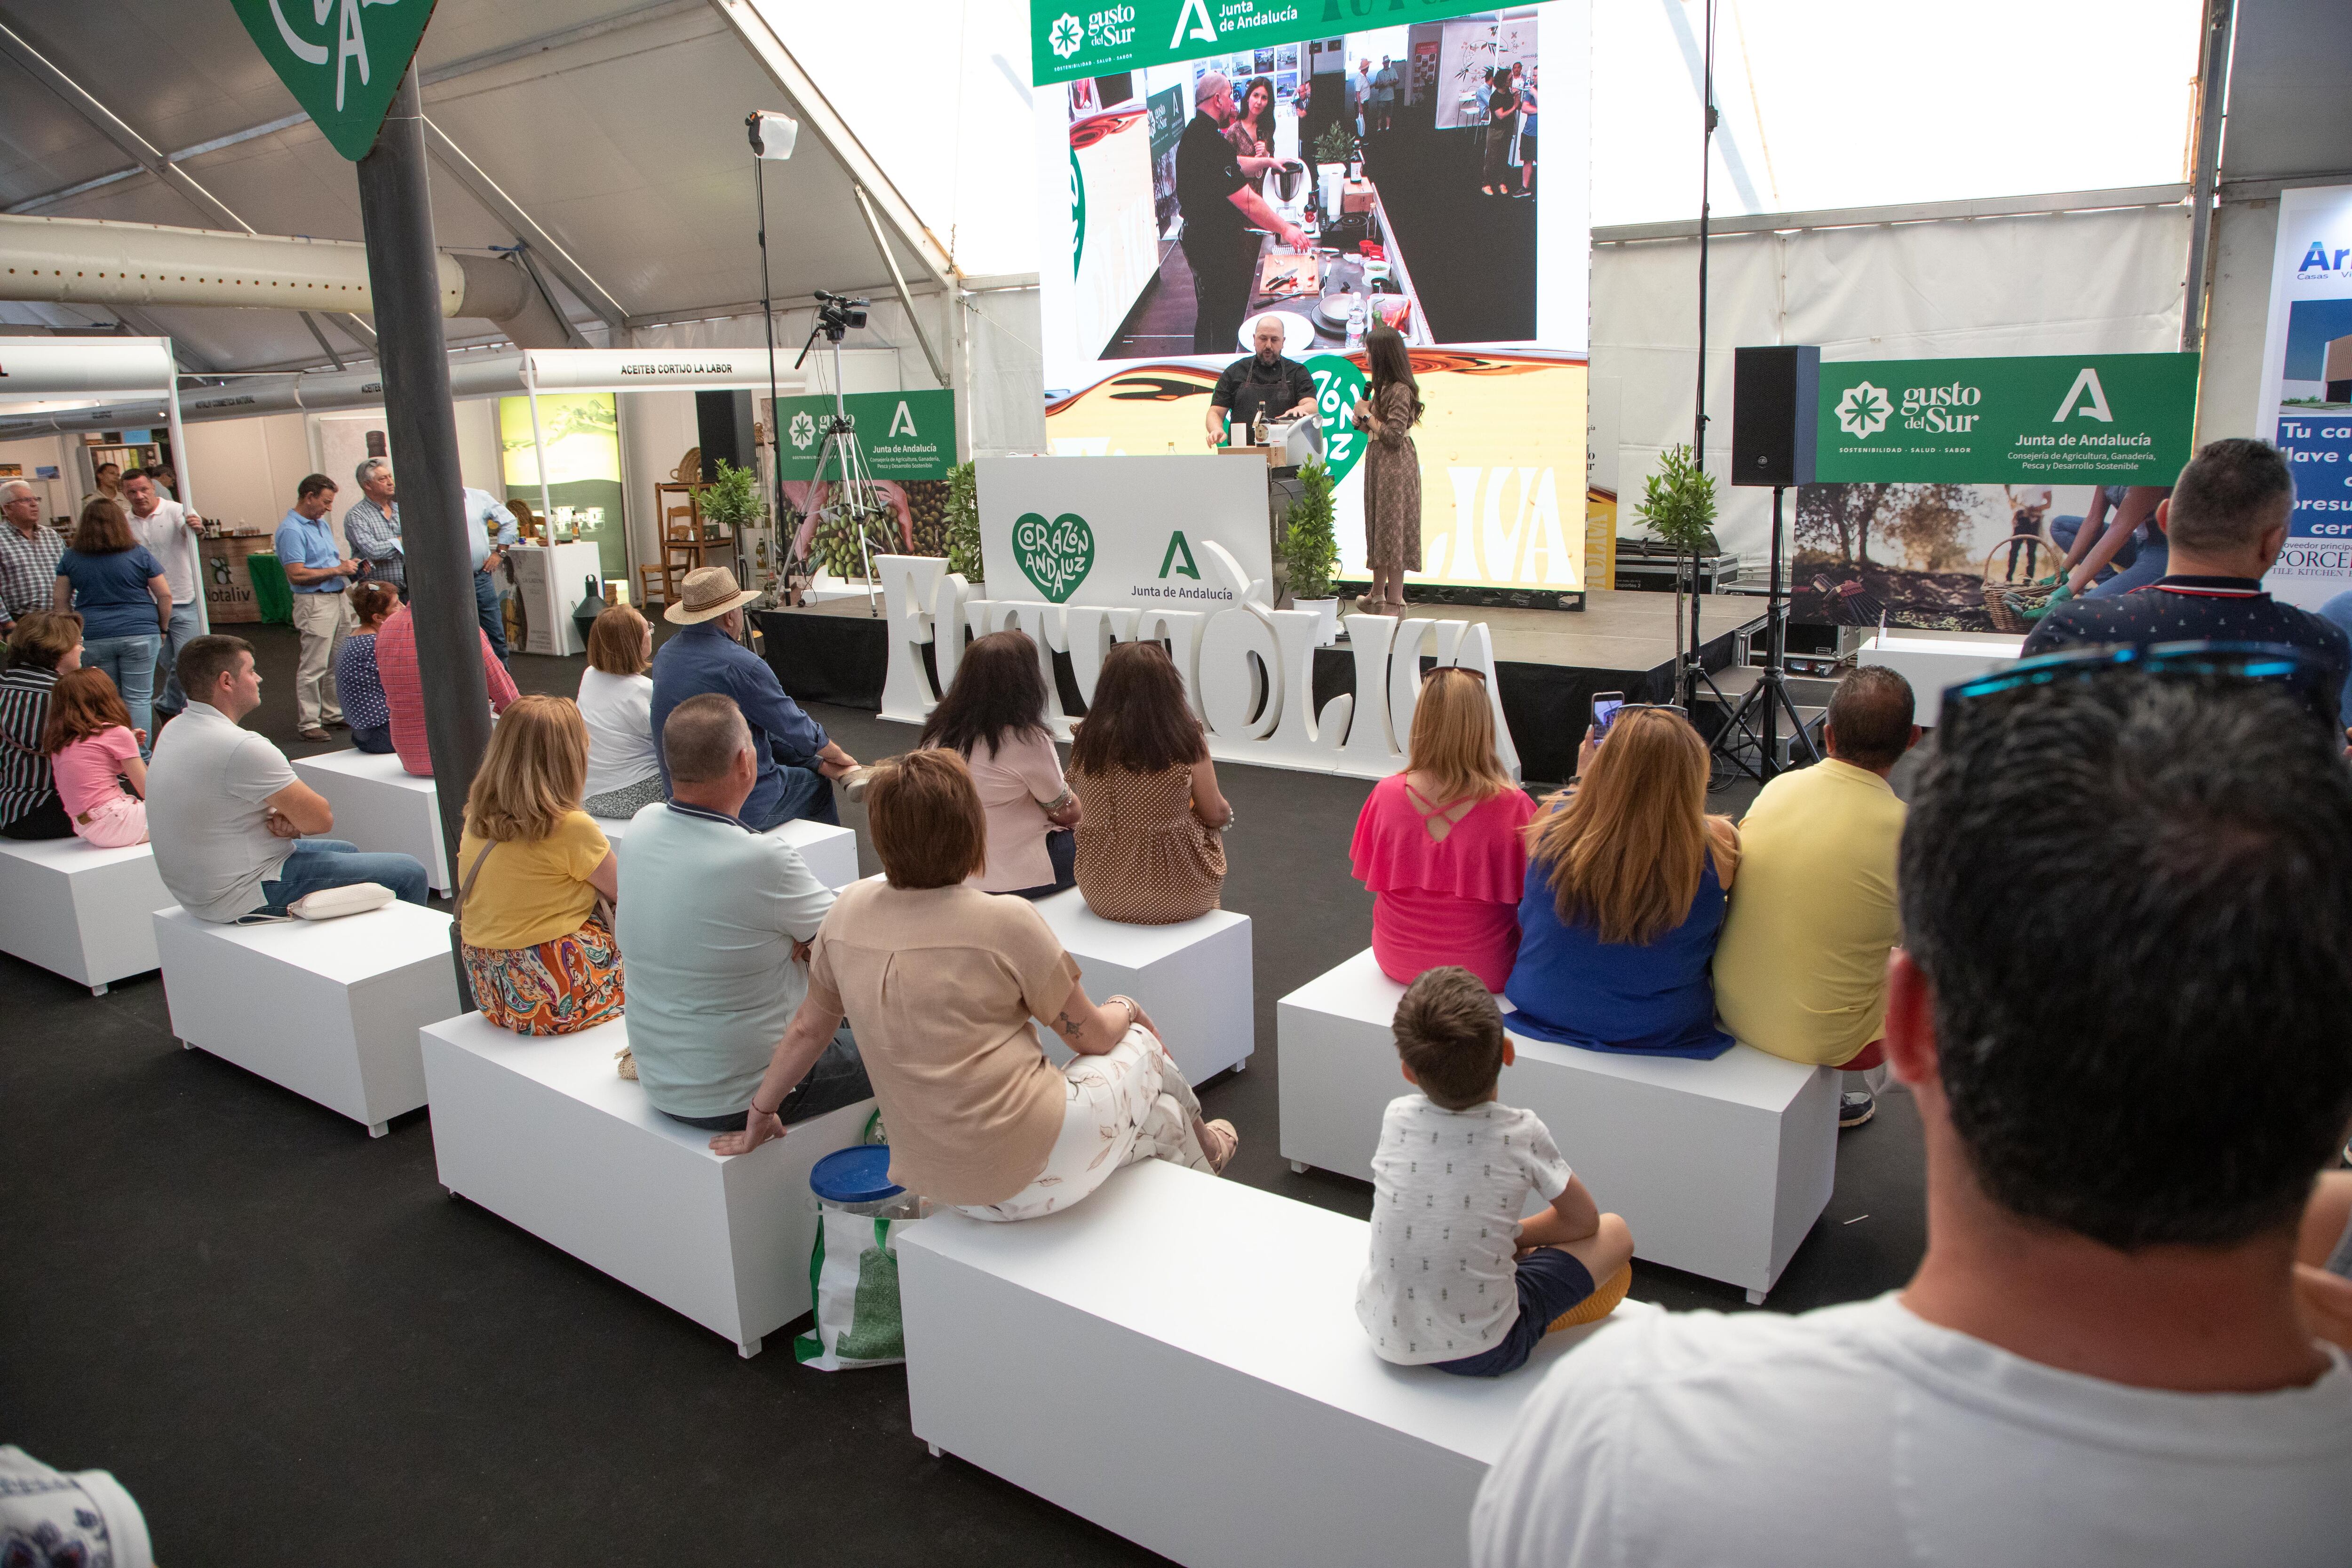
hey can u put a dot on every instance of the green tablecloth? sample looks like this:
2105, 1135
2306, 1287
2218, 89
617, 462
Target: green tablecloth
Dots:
272, 595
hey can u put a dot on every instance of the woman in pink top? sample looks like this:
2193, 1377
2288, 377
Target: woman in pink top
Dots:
993, 715
1441, 845
93, 750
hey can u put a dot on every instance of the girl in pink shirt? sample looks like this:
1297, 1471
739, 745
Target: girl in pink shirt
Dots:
1442, 845
93, 750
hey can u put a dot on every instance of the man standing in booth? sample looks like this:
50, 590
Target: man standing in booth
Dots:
1219, 206
1262, 382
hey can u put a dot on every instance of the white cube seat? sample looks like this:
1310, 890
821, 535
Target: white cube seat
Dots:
381, 807
1194, 978
328, 1008
830, 852
81, 912
1720, 1167
1177, 1360
544, 1132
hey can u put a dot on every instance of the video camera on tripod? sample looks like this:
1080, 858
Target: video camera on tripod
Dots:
835, 315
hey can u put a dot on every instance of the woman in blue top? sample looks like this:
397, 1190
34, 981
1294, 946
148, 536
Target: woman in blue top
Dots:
125, 605
1626, 879
357, 680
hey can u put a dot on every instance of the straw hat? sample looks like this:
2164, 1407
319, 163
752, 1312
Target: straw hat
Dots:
707, 592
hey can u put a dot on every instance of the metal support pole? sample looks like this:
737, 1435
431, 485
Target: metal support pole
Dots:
180, 465
404, 276
539, 452
2213, 102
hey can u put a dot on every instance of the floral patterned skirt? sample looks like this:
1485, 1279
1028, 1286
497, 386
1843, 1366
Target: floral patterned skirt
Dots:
557, 987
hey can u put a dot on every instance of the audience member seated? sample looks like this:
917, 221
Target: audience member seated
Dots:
2323, 1260
617, 703
993, 716
404, 688
1150, 845
1800, 968
233, 828
2227, 521
1475, 1295
2099, 1361
1443, 845
1624, 894
125, 603
540, 951
717, 921
101, 779
798, 762
941, 981
43, 646
356, 680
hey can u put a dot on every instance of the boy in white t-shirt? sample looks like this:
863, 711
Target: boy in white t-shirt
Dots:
1458, 1281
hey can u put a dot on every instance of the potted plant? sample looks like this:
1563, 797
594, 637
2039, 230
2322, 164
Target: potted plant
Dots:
962, 521
1311, 550
732, 499
1678, 505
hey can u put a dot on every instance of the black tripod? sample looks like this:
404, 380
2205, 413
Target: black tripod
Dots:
1758, 715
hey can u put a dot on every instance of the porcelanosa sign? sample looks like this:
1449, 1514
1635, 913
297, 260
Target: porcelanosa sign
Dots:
1123, 531
1248, 669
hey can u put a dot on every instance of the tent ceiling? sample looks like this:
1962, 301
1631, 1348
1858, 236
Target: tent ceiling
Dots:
615, 124
2289, 113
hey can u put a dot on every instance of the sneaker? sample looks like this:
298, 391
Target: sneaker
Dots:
1855, 1106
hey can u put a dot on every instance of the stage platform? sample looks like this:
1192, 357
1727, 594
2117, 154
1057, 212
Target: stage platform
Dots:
1549, 662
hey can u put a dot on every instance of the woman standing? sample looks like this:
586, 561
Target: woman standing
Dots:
993, 717
1149, 850
357, 680
1502, 124
539, 952
1386, 413
616, 702
125, 604
1625, 894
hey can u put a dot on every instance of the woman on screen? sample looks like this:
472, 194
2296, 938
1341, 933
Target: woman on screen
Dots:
1251, 131
1387, 414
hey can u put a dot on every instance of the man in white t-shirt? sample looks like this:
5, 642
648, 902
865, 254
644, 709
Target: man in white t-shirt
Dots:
2127, 1078
170, 531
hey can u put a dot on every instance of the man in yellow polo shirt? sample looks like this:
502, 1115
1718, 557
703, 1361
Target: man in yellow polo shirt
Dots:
1800, 970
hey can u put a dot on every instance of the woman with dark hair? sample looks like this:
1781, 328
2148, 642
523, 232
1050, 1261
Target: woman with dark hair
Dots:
1251, 131
357, 679
1389, 410
45, 646
126, 606
1149, 850
993, 716
1502, 124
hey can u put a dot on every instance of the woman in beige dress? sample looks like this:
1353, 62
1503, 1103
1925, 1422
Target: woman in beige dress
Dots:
1386, 413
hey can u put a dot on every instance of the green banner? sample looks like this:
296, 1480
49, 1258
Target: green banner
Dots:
905, 436
1067, 40
342, 59
2046, 419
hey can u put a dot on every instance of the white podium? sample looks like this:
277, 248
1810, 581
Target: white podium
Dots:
550, 580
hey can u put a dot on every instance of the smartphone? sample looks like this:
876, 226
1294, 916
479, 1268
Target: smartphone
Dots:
1604, 712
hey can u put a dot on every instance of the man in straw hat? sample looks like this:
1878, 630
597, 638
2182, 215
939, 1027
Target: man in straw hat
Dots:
798, 762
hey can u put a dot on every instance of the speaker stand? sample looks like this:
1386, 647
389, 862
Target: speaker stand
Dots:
1760, 712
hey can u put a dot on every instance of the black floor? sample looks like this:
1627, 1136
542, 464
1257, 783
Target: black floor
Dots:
295, 1349
1471, 255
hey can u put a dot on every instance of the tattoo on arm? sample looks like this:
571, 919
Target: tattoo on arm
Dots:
1065, 1026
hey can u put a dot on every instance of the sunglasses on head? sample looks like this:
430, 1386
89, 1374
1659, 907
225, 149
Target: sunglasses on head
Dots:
1477, 675
2300, 671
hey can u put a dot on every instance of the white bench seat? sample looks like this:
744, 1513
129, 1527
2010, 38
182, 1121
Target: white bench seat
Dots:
830, 852
1194, 978
81, 912
380, 808
1720, 1167
328, 1008
1177, 1360
544, 1132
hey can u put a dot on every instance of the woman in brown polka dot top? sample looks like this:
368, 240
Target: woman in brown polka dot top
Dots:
1151, 844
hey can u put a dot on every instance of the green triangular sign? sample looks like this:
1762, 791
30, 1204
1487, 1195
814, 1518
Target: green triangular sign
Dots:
342, 59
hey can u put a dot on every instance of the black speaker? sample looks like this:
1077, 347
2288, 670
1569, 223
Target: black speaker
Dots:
1776, 396
722, 422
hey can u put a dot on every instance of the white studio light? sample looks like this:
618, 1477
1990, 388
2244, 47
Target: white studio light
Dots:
773, 134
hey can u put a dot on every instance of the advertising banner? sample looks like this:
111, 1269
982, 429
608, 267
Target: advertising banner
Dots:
1067, 40
1123, 532
2127, 419
2306, 390
905, 436
583, 435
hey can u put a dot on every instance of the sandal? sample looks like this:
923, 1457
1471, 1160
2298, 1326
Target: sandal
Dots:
1228, 1143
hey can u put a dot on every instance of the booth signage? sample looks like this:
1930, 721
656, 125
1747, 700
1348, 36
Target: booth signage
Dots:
1121, 531
905, 435
342, 59
2041, 419
2306, 390
1068, 40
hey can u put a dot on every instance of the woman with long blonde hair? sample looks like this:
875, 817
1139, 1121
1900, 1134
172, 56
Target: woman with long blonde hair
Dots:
536, 879
1625, 892
1442, 845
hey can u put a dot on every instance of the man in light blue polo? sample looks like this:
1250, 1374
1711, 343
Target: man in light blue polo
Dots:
490, 528
318, 572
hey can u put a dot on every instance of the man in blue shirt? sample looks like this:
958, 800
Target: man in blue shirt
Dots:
798, 762
491, 528
317, 572
372, 526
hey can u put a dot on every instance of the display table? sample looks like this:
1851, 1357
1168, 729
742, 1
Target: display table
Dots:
549, 582
243, 582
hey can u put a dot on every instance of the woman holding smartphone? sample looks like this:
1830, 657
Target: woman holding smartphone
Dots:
1387, 413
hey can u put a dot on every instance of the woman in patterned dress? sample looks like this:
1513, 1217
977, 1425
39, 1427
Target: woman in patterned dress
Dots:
1150, 850
1387, 413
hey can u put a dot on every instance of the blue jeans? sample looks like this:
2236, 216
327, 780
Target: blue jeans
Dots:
183, 631
807, 793
1550, 1282
486, 607
130, 662
2155, 559
1062, 851
319, 863
2066, 530
838, 1079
